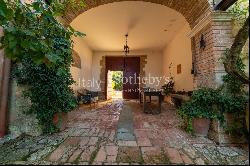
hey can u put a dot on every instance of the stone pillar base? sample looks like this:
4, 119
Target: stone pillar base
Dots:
218, 133
19, 121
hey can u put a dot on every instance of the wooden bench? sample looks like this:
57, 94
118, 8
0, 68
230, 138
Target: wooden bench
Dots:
178, 100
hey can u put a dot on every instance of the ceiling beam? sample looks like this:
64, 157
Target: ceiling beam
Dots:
223, 5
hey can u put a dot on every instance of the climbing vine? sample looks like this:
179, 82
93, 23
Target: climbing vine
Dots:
62, 6
41, 50
236, 78
240, 11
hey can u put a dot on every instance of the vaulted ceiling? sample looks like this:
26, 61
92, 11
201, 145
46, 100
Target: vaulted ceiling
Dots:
150, 26
190, 9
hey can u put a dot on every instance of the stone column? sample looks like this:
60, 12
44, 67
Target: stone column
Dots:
216, 28
222, 40
102, 94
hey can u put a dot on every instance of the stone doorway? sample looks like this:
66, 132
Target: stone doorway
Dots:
115, 85
130, 66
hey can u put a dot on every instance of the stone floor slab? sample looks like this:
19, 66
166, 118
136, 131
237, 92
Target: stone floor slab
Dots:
154, 155
87, 153
127, 143
173, 155
129, 155
91, 138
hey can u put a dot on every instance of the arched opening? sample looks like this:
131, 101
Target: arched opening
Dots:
165, 38
157, 34
191, 9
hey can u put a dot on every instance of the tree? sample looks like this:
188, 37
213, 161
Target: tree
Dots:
234, 52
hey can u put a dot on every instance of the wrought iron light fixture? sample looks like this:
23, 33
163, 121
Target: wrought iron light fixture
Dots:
202, 42
126, 47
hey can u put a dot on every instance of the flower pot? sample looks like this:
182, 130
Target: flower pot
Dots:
201, 126
60, 120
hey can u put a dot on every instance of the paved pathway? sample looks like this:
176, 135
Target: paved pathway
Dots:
125, 129
91, 138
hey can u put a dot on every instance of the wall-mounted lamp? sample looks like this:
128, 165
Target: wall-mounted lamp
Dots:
202, 42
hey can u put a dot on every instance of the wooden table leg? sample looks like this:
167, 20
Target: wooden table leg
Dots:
140, 97
144, 103
160, 102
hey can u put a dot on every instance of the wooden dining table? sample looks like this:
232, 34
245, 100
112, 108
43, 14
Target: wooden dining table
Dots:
146, 105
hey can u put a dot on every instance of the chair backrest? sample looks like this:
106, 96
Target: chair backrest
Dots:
94, 94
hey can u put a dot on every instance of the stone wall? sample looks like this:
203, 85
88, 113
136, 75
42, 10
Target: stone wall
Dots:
19, 121
102, 94
223, 39
109, 85
218, 131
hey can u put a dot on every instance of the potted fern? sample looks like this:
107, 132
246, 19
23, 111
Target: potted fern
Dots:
200, 110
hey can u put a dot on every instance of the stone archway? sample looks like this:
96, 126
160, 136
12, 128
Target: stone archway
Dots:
214, 26
192, 10
204, 21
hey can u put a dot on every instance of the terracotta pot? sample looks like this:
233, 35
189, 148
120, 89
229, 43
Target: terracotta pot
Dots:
60, 120
229, 118
201, 126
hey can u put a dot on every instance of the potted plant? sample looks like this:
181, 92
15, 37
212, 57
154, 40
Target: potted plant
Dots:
199, 111
233, 110
168, 87
60, 120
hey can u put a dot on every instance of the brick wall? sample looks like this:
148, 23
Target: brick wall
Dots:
190, 9
204, 59
218, 37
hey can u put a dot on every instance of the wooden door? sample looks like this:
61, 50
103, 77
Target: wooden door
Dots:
112, 64
131, 69
131, 78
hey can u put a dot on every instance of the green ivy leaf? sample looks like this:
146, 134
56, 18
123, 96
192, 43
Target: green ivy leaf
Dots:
54, 58
38, 59
5, 12
77, 33
12, 44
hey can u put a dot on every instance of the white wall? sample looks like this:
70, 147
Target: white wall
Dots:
152, 68
85, 72
179, 51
